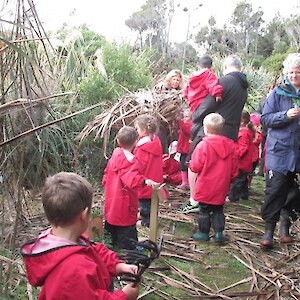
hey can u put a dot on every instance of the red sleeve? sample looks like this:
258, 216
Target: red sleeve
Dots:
80, 278
109, 257
143, 158
213, 86
198, 158
235, 163
132, 177
243, 145
105, 174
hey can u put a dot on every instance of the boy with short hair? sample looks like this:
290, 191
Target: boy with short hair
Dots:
122, 179
201, 83
62, 259
212, 168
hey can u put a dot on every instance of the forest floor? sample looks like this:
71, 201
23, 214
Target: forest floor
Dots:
186, 269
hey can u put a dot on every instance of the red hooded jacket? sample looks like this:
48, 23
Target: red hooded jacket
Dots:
256, 146
245, 149
70, 271
184, 135
149, 153
200, 85
215, 161
122, 179
171, 169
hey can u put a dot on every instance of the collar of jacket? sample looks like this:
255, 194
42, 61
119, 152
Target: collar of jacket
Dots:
285, 88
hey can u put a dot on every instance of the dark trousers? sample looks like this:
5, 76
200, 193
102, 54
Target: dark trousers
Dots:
211, 215
183, 166
282, 193
239, 187
145, 207
123, 237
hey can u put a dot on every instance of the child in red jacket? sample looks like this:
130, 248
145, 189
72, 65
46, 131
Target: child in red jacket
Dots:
202, 83
183, 146
239, 188
171, 166
149, 153
122, 179
256, 145
212, 168
62, 259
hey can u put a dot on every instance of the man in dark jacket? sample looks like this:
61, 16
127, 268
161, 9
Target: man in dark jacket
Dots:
234, 97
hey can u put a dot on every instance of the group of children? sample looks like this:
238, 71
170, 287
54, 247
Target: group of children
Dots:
72, 264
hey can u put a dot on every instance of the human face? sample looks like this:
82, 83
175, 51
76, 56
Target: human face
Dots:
186, 117
174, 82
294, 77
141, 132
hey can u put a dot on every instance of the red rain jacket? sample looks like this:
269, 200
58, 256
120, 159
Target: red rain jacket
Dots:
122, 179
245, 149
199, 86
171, 168
184, 135
215, 161
149, 153
72, 272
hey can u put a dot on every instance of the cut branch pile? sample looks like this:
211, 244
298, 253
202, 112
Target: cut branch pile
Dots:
192, 270
164, 105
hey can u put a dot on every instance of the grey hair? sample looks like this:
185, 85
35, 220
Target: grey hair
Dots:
233, 61
293, 59
214, 122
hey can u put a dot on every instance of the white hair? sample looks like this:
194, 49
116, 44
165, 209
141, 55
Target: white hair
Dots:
233, 61
292, 60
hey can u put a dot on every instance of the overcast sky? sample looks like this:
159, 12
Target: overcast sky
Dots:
107, 17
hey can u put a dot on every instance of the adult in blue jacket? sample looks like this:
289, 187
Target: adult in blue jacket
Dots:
281, 116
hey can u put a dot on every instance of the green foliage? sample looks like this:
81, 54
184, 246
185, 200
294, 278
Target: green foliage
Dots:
273, 64
95, 88
127, 68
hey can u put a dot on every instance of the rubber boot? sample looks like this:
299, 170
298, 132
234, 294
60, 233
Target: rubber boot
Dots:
185, 182
284, 227
267, 239
220, 238
204, 227
218, 223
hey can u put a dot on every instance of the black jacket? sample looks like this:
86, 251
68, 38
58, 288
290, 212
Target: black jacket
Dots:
234, 97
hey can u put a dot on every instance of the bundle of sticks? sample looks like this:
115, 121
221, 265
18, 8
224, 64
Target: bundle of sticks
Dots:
164, 105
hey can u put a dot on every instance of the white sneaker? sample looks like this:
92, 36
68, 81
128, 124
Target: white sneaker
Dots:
189, 208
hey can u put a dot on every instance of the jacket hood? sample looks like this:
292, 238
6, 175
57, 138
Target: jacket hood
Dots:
39, 265
121, 159
241, 77
220, 144
197, 77
151, 146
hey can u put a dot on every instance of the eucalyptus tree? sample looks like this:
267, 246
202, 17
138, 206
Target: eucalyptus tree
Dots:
153, 23
247, 26
215, 40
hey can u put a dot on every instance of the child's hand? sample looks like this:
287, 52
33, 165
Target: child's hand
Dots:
152, 183
131, 291
218, 99
126, 268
